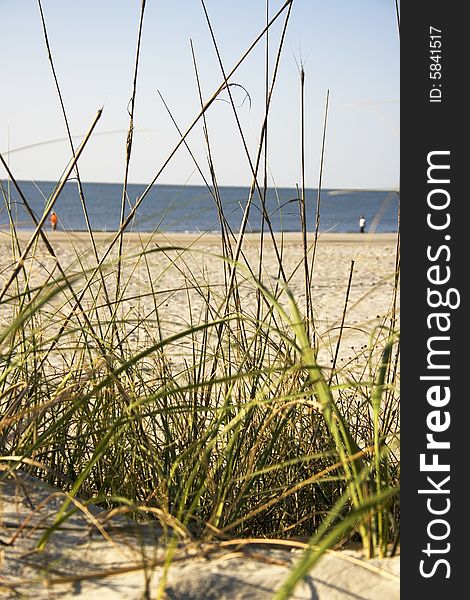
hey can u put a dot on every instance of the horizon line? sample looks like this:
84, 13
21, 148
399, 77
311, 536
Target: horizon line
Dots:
330, 189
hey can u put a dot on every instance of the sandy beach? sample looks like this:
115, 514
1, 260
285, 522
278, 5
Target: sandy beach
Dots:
172, 273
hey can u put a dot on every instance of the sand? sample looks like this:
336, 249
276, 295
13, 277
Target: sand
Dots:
93, 557
177, 281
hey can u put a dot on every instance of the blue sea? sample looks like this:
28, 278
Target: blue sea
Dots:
171, 208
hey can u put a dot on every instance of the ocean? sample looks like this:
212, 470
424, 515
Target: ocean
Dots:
170, 208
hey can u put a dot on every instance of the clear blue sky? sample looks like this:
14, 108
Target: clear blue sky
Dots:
350, 48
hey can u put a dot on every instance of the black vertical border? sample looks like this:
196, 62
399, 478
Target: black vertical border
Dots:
425, 127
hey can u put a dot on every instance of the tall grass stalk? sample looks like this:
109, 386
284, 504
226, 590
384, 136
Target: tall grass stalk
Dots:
69, 133
302, 199
319, 188
130, 137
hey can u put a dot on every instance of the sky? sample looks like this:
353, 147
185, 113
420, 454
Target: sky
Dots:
350, 49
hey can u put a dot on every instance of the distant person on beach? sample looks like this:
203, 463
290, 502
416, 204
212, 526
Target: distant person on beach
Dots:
362, 224
53, 221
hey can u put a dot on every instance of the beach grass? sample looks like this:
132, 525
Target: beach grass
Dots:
131, 377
